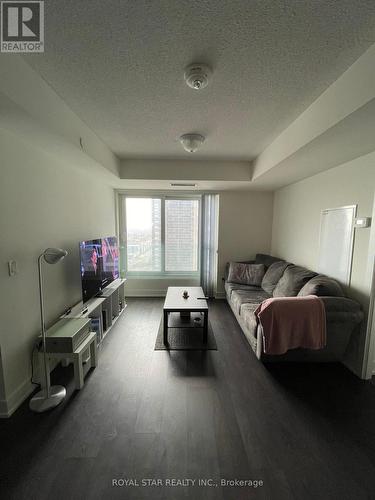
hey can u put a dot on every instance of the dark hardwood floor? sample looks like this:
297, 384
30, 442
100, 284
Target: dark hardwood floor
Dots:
306, 431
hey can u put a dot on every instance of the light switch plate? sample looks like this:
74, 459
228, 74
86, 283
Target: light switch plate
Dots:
12, 268
363, 222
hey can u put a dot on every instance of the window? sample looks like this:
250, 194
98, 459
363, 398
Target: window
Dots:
181, 235
161, 235
143, 234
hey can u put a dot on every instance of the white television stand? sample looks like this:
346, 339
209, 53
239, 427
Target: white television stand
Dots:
103, 310
103, 313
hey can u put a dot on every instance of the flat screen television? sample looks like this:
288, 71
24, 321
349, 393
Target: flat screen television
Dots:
99, 265
110, 260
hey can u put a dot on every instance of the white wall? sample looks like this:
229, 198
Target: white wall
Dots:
182, 170
31, 107
245, 227
44, 201
296, 222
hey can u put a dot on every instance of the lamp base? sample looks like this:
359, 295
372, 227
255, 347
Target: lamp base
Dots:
41, 403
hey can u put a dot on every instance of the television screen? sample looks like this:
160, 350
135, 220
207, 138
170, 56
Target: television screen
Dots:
99, 265
91, 268
110, 260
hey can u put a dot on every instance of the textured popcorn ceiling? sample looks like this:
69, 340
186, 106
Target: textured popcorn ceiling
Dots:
119, 65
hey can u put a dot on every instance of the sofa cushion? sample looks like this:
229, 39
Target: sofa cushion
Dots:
322, 286
226, 270
291, 282
240, 297
246, 274
267, 260
273, 275
229, 287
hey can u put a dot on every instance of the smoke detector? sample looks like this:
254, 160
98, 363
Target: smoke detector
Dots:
197, 75
191, 142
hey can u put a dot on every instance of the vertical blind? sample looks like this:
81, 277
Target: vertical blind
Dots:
210, 212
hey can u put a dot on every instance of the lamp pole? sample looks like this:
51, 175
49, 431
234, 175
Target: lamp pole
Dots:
48, 397
41, 300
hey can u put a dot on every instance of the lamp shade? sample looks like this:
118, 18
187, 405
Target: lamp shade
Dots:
54, 255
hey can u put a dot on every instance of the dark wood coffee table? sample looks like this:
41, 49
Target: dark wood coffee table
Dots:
189, 310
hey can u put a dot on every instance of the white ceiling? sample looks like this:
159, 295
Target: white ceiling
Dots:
119, 65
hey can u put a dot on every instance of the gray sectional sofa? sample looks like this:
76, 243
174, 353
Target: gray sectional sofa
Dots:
284, 279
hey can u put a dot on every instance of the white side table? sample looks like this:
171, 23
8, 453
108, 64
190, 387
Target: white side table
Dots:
77, 358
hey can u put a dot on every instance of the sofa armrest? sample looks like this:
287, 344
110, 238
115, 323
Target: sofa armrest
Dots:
342, 310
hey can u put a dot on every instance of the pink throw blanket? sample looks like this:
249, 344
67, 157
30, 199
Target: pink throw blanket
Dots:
291, 322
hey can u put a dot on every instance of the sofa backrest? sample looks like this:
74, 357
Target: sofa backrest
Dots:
267, 260
283, 279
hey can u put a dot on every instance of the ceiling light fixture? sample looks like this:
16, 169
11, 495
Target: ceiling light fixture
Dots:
197, 75
191, 142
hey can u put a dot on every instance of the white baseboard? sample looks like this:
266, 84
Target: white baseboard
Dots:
9, 406
146, 293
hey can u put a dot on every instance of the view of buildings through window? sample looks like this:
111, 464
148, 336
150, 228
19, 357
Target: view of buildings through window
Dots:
181, 235
145, 249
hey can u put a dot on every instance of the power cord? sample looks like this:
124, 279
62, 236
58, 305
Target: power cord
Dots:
35, 349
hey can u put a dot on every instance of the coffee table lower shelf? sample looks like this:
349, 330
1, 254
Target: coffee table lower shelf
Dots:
185, 319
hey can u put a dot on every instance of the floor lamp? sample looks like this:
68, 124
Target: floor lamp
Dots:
48, 397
